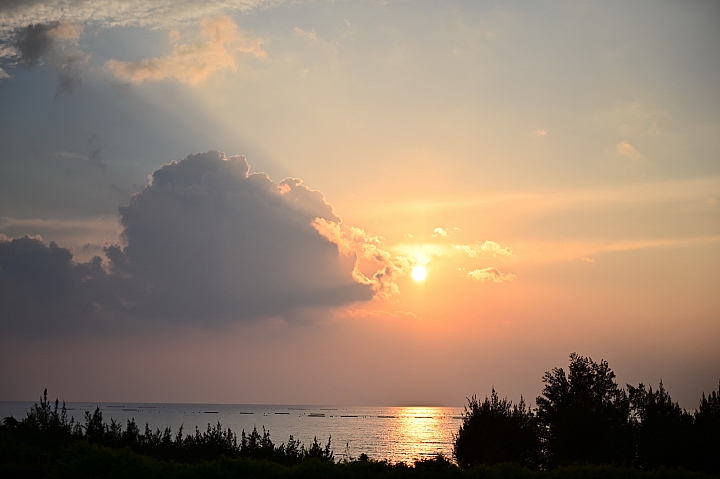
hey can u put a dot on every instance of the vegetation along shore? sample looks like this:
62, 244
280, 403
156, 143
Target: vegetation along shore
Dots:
584, 425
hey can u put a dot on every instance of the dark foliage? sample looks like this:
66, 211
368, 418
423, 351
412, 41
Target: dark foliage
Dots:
497, 431
35, 444
584, 415
585, 427
706, 442
663, 430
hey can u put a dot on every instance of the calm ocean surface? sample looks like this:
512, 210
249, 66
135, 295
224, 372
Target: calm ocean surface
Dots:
392, 433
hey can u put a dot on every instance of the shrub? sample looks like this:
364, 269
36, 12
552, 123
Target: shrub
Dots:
497, 431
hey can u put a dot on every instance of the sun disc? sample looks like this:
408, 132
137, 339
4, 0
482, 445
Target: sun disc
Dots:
419, 273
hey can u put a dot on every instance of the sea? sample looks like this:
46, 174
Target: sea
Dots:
394, 434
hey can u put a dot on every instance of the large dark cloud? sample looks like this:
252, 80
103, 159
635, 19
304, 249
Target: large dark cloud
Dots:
42, 290
205, 242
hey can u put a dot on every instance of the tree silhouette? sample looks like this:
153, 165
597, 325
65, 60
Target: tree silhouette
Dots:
663, 429
707, 433
496, 431
584, 416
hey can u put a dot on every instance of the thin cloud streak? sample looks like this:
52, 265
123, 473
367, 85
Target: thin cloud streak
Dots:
544, 252
658, 192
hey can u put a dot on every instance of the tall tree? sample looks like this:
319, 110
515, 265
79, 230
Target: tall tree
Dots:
584, 415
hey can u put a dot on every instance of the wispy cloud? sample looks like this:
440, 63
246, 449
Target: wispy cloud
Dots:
539, 251
627, 150
537, 202
375, 313
156, 14
444, 232
490, 274
38, 43
310, 35
488, 247
193, 63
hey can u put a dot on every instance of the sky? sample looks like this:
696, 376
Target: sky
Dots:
230, 202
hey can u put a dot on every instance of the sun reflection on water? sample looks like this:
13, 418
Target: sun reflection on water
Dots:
419, 433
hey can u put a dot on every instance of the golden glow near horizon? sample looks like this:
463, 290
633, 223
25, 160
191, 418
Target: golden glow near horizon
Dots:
420, 430
419, 273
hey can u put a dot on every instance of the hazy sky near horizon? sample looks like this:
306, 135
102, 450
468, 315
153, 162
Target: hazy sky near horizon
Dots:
223, 202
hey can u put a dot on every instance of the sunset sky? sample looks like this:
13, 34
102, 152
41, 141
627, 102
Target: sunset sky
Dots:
225, 200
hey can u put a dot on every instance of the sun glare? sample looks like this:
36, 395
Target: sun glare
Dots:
419, 273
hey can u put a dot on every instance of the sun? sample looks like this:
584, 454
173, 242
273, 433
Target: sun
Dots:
419, 273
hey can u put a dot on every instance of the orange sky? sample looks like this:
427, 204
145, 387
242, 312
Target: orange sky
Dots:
555, 168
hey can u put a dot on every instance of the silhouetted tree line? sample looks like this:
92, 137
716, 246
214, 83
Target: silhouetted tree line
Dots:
583, 417
38, 439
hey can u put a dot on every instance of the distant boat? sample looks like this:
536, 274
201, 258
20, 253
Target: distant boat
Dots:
243, 412
387, 417
316, 415
211, 412
347, 416
282, 413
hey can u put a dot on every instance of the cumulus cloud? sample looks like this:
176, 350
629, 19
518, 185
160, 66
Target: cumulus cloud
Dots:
206, 241
192, 63
488, 247
490, 274
440, 232
43, 290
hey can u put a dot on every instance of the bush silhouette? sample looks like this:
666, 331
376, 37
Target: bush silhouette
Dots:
496, 431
